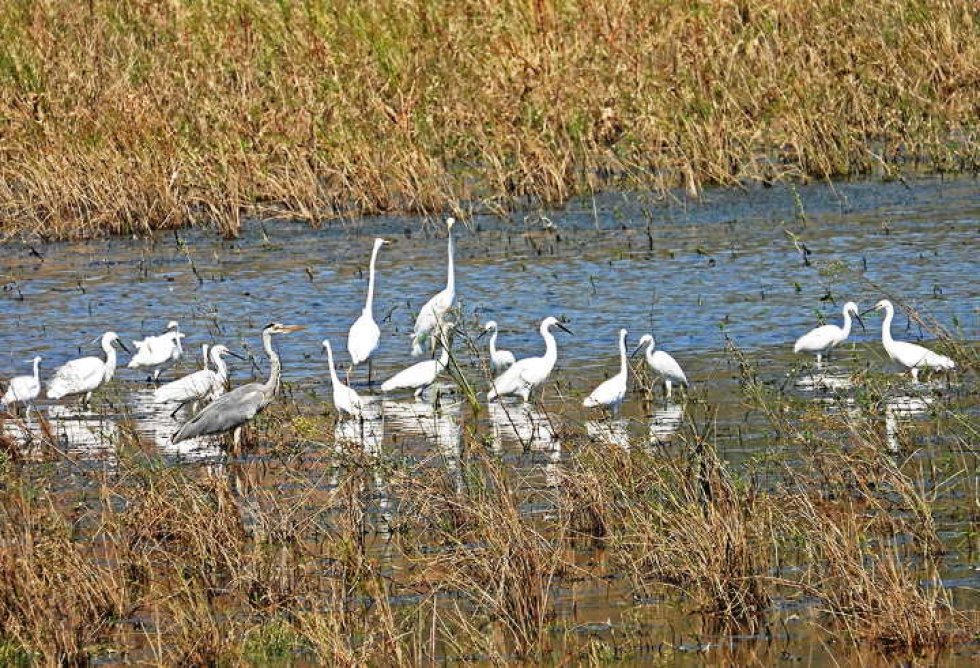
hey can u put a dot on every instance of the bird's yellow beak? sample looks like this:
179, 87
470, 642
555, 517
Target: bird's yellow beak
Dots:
287, 329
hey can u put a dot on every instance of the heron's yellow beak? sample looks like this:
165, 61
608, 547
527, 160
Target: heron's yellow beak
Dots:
287, 329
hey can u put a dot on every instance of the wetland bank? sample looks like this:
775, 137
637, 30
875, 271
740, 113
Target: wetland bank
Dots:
773, 513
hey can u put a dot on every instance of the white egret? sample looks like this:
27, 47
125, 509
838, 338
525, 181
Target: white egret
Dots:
156, 353
205, 384
434, 312
419, 376
344, 398
364, 334
23, 389
500, 360
526, 374
910, 355
822, 339
86, 374
662, 364
235, 409
611, 392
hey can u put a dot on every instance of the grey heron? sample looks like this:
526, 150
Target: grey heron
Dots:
232, 411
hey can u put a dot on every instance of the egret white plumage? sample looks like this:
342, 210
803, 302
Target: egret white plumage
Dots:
86, 374
611, 392
364, 334
499, 359
205, 384
156, 353
344, 398
822, 339
23, 389
526, 374
235, 409
432, 315
662, 363
419, 376
910, 355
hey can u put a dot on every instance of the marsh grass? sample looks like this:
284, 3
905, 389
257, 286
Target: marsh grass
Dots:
129, 117
311, 548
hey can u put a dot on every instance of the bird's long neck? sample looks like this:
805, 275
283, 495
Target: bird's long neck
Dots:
493, 343
219, 365
110, 361
622, 355
275, 371
846, 329
37, 378
886, 326
204, 353
334, 380
369, 304
649, 353
550, 347
451, 274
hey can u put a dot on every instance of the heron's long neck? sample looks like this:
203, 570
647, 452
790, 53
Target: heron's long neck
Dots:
37, 378
110, 361
493, 343
550, 347
275, 371
204, 352
333, 372
369, 304
220, 367
622, 355
649, 353
886, 326
451, 276
846, 330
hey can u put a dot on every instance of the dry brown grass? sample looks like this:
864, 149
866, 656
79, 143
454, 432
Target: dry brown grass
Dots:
127, 117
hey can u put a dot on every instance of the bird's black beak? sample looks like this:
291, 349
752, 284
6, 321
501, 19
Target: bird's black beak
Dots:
563, 328
482, 334
638, 349
123, 346
866, 312
857, 316
234, 354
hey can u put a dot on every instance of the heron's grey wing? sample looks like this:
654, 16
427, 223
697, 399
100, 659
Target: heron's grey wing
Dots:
225, 413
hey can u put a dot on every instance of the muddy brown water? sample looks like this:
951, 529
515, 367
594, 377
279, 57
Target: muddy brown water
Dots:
756, 268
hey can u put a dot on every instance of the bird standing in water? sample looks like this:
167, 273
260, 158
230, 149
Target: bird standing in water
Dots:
433, 314
364, 334
910, 355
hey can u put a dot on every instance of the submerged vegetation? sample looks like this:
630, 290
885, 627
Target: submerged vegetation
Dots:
141, 115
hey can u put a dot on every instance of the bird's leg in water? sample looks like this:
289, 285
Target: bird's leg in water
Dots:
819, 359
915, 375
369, 372
669, 388
87, 399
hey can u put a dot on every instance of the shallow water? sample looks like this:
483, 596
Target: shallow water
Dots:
695, 274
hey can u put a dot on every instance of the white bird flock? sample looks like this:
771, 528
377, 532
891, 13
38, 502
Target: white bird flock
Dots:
229, 412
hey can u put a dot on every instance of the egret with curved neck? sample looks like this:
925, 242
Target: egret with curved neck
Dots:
499, 359
822, 340
433, 314
86, 374
526, 374
910, 355
232, 411
344, 398
364, 334
611, 392
662, 363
